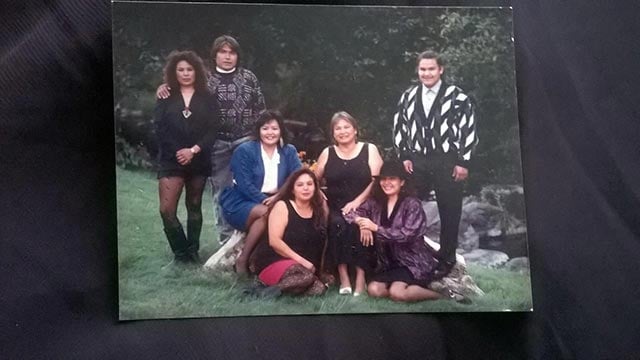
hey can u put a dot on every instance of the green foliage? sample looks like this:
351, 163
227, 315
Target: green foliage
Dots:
146, 290
129, 156
314, 61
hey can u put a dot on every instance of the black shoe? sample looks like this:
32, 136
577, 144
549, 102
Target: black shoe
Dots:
459, 298
178, 243
194, 259
193, 237
443, 268
261, 291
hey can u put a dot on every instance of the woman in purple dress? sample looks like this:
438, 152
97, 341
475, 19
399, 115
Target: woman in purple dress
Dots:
395, 224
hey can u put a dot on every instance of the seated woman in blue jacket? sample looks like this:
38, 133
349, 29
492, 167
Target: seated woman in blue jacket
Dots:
259, 168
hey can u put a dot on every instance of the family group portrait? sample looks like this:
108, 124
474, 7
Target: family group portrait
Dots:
302, 159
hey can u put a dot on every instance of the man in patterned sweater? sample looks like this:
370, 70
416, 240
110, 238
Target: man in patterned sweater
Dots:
240, 99
435, 132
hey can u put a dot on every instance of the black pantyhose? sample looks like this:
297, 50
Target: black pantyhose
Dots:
170, 190
299, 280
184, 247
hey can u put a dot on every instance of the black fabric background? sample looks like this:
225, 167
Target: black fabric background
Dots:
578, 104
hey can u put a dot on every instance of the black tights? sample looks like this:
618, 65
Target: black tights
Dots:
170, 189
299, 280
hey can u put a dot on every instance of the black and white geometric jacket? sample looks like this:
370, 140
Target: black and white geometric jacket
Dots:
449, 127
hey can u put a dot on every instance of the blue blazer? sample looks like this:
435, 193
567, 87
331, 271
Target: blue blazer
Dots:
248, 169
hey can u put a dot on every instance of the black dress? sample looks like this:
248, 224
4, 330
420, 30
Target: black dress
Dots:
301, 236
176, 131
345, 180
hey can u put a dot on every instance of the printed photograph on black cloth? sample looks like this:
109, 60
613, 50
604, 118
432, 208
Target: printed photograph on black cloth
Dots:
280, 160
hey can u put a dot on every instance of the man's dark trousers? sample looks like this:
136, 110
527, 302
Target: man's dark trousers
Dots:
433, 172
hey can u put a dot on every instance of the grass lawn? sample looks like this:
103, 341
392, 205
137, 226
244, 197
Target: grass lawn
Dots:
146, 290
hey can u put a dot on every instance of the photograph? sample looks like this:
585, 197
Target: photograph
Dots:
313, 159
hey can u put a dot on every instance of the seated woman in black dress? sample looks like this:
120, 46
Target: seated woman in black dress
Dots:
291, 258
186, 127
347, 168
396, 224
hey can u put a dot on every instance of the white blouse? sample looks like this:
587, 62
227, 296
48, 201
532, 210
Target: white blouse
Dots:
270, 182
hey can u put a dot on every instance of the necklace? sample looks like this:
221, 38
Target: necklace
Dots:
348, 155
186, 112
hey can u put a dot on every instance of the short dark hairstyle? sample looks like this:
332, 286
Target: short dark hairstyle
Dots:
430, 54
221, 41
194, 60
342, 115
264, 117
392, 168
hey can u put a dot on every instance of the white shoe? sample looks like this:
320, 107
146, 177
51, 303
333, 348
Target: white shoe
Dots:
345, 290
355, 293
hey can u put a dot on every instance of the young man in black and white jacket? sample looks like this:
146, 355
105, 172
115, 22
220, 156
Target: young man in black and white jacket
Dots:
435, 132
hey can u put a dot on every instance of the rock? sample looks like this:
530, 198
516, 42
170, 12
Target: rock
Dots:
468, 239
435, 246
518, 264
225, 257
487, 258
433, 217
458, 281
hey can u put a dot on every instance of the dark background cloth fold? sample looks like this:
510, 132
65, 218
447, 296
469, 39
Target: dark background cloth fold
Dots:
579, 106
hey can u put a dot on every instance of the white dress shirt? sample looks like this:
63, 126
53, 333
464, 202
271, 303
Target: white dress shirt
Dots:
270, 182
429, 96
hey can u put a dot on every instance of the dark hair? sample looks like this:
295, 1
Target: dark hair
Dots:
381, 198
430, 54
342, 115
264, 117
221, 41
317, 201
194, 60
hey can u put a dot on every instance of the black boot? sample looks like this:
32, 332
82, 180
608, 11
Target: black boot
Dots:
443, 268
194, 228
178, 243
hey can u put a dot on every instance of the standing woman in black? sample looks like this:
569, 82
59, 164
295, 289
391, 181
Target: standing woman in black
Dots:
186, 125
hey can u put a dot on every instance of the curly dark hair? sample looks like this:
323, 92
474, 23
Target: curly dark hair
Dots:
194, 60
317, 201
264, 117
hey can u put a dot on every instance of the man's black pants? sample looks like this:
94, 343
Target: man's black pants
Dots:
433, 172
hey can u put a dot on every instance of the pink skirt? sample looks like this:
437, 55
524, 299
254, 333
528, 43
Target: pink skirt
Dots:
271, 274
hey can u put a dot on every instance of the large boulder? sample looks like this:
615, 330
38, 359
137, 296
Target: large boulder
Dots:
486, 258
436, 246
225, 257
458, 281
497, 210
518, 264
468, 238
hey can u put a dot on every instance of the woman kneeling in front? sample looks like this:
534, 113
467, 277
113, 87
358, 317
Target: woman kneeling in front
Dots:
405, 262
